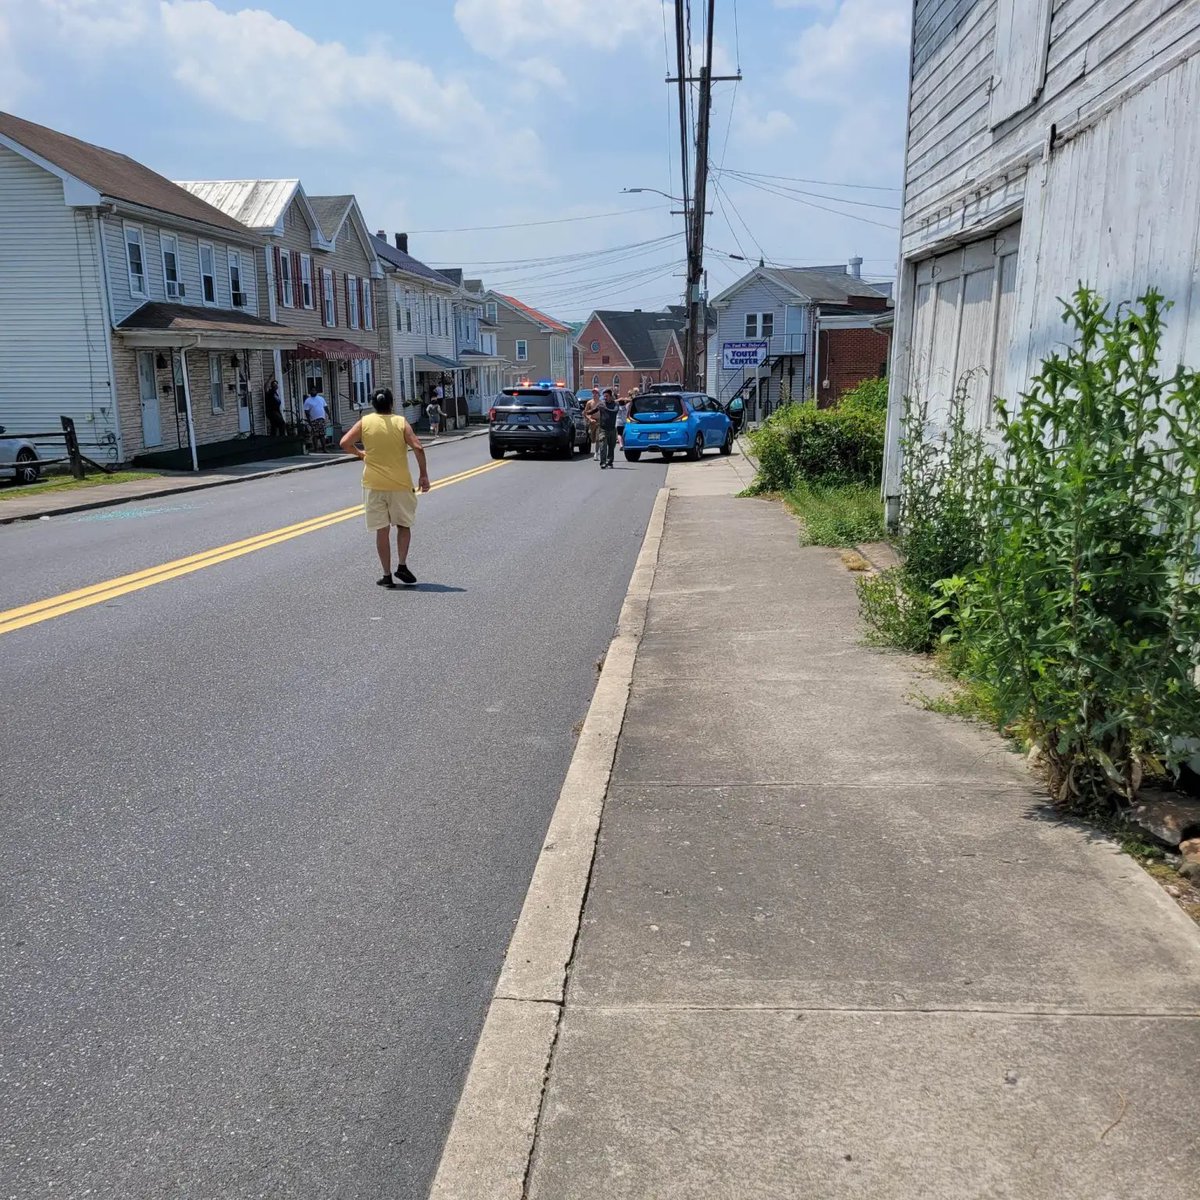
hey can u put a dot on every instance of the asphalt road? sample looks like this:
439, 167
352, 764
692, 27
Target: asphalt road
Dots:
267, 827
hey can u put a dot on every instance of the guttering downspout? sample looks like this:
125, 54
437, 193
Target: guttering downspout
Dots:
187, 400
110, 327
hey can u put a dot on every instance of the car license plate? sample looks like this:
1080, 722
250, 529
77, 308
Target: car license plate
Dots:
653, 437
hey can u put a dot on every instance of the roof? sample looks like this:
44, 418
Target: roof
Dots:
454, 274
642, 335
158, 317
532, 313
436, 362
115, 175
331, 213
824, 285
337, 349
258, 203
403, 261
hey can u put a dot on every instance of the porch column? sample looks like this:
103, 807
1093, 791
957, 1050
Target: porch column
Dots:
187, 404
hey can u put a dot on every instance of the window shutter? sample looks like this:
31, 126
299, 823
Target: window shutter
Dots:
362, 308
346, 279
333, 285
297, 282
278, 276
319, 284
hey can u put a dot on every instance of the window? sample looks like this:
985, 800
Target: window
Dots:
360, 383
170, 259
136, 260
490, 309
352, 301
208, 274
328, 299
215, 383
522, 350
402, 392
760, 325
617, 382
306, 280
409, 305
1020, 57
595, 381
235, 279
368, 305
283, 260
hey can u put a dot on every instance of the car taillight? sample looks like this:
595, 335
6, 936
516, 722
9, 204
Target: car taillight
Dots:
558, 414
682, 417
491, 414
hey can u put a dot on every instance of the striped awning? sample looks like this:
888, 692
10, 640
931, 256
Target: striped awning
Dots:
332, 348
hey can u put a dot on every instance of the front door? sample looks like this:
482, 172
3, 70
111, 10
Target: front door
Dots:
148, 393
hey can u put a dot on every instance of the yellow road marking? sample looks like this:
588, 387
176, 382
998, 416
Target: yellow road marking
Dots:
97, 593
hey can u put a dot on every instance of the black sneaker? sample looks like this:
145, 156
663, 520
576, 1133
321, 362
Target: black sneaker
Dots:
386, 582
405, 575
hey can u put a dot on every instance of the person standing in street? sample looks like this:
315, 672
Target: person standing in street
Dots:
389, 498
607, 415
274, 407
622, 418
316, 412
591, 416
433, 410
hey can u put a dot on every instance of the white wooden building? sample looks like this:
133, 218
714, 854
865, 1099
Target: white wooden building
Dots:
1049, 143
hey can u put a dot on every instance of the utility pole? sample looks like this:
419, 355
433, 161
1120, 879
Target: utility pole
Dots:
697, 320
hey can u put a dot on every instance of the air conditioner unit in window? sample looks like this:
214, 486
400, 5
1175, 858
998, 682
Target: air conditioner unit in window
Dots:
239, 299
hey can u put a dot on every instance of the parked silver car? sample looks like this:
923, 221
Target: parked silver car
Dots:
18, 459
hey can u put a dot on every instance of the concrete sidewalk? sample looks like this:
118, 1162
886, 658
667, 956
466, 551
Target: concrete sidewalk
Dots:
833, 945
15, 506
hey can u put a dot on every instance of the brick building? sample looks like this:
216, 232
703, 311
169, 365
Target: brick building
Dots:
850, 348
630, 351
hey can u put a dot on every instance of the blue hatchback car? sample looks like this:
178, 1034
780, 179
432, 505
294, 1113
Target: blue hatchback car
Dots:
670, 423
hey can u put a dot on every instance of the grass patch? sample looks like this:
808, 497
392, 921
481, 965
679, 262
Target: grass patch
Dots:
67, 483
837, 515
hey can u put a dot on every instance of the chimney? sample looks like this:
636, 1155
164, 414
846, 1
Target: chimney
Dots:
402, 242
379, 233
856, 267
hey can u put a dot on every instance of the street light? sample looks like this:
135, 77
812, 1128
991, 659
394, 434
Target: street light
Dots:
656, 191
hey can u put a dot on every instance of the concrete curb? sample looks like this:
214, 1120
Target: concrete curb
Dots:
487, 1152
204, 485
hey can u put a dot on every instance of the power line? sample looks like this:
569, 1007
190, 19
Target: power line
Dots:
770, 190
624, 212
870, 187
817, 195
561, 258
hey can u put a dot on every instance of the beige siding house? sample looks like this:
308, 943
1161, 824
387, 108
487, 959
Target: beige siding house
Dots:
127, 303
536, 346
320, 275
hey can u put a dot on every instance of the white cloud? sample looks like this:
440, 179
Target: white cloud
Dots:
325, 95
97, 26
14, 83
760, 129
836, 59
500, 28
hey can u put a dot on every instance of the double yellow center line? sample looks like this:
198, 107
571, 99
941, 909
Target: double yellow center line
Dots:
110, 589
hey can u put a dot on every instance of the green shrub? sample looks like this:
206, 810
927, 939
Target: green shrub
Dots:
1083, 618
803, 443
871, 395
838, 516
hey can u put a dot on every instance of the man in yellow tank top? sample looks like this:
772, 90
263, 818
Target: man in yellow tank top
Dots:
389, 497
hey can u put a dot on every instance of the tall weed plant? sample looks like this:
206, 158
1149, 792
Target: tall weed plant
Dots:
1083, 616
943, 488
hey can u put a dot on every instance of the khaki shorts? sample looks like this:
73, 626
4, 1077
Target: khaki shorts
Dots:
389, 508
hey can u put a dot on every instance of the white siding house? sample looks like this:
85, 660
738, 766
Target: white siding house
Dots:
781, 307
55, 357
1050, 142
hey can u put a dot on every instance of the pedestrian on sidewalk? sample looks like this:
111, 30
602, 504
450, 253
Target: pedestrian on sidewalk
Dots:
274, 407
389, 497
317, 412
433, 410
607, 415
591, 416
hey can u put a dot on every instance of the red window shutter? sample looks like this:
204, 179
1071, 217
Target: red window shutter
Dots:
347, 284
362, 308
278, 276
333, 285
297, 284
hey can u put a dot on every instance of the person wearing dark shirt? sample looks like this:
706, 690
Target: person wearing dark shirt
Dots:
607, 414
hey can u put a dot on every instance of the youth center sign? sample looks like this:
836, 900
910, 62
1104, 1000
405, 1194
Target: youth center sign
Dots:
742, 356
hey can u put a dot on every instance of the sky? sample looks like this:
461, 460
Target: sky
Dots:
500, 134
